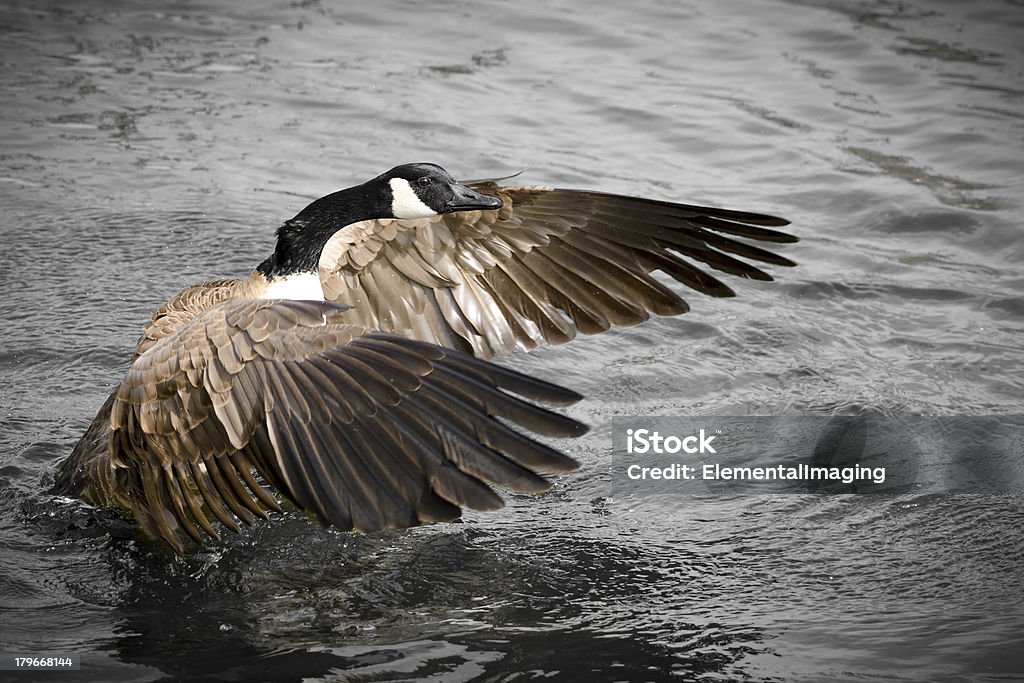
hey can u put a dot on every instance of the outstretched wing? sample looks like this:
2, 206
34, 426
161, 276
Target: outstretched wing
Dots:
365, 430
546, 264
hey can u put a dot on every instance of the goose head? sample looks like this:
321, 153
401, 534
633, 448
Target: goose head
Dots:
425, 190
406, 191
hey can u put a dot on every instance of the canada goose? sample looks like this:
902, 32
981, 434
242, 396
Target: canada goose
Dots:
421, 260
364, 429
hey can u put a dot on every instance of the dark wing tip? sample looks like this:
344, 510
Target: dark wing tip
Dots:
780, 237
516, 382
760, 219
524, 385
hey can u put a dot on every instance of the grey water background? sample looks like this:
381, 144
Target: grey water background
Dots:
147, 146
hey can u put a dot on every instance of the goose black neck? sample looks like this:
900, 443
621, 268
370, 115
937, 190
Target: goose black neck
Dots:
301, 240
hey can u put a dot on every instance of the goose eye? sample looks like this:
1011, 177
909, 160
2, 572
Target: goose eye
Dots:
423, 182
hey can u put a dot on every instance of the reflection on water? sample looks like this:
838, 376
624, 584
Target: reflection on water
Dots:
144, 149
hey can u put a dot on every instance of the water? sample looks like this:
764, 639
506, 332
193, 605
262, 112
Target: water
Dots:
146, 149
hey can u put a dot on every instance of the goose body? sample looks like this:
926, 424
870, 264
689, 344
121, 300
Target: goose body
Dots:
347, 370
363, 429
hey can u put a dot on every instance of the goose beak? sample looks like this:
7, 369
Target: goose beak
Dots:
465, 199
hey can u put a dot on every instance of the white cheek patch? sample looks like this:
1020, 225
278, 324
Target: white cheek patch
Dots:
405, 203
298, 286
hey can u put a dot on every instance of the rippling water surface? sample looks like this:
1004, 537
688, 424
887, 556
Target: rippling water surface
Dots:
144, 149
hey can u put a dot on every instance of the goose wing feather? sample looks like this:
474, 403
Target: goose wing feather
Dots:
363, 429
545, 265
